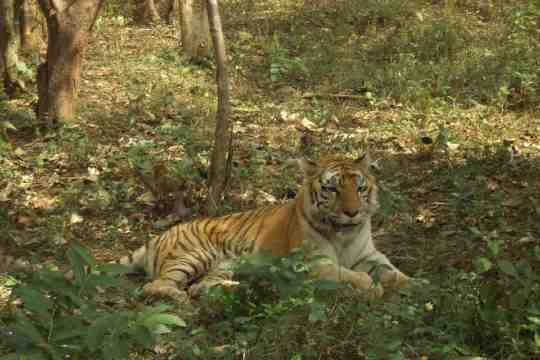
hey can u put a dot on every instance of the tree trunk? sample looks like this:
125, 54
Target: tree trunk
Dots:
29, 26
195, 29
152, 12
173, 12
147, 12
69, 26
219, 172
9, 46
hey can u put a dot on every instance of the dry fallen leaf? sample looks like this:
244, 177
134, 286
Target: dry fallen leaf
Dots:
288, 117
4, 194
19, 152
43, 202
310, 125
93, 174
267, 197
26, 181
75, 218
492, 185
24, 220
452, 146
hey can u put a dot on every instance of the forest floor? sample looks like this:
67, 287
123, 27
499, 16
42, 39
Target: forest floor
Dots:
455, 177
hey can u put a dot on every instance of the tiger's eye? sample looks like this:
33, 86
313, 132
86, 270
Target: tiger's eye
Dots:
329, 184
361, 183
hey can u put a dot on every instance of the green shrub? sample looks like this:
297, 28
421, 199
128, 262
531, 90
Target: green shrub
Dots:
282, 64
62, 317
491, 312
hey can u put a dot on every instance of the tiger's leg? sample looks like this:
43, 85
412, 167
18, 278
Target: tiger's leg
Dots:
221, 275
170, 283
389, 275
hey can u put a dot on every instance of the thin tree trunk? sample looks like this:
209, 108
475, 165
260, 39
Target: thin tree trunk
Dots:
146, 12
151, 11
29, 25
187, 23
24, 26
173, 12
195, 29
9, 46
219, 172
58, 78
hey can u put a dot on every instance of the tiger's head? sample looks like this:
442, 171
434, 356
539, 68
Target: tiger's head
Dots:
339, 192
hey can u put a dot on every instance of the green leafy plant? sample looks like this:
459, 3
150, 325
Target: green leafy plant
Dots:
271, 290
282, 64
266, 279
142, 154
516, 288
61, 317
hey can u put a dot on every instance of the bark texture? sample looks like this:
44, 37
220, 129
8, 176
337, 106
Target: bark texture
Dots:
9, 46
30, 26
195, 29
147, 12
219, 172
69, 25
173, 12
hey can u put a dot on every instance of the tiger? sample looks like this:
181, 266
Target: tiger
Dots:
329, 218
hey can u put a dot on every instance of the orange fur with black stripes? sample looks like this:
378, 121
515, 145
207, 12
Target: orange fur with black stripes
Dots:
330, 216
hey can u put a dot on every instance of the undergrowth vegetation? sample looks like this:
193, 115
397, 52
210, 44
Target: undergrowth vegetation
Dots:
411, 51
444, 93
64, 317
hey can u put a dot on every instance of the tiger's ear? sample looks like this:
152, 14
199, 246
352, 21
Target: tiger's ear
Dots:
308, 167
363, 162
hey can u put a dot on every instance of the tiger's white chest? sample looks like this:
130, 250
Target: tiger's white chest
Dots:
345, 248
353, 245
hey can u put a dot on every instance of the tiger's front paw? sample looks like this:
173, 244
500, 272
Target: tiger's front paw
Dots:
395, 280
165, 288
364, 282
202, 287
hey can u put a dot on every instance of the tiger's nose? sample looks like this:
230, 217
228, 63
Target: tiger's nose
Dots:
351, 213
